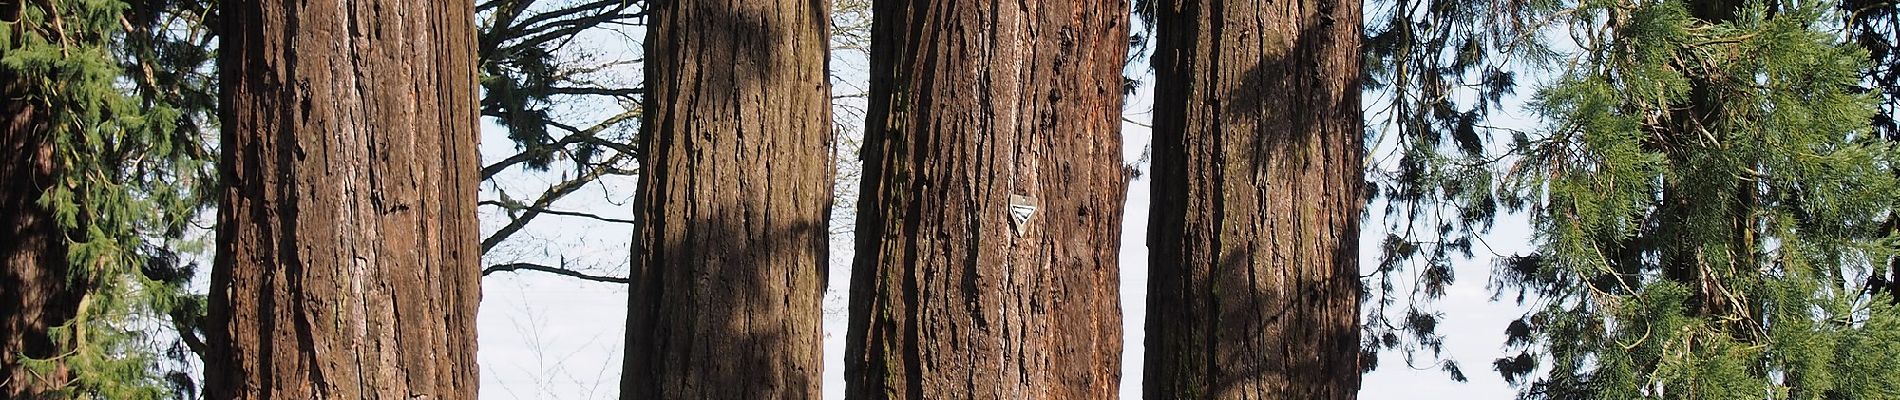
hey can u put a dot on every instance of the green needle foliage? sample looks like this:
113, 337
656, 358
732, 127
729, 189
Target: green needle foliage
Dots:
1707, 199
1436, 71
128, 168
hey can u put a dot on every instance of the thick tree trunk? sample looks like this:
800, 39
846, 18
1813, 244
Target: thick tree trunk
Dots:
347, 260
728, 267
35, 293
976, 105
1253, 282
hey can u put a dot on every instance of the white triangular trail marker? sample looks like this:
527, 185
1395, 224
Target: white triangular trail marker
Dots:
1021, 208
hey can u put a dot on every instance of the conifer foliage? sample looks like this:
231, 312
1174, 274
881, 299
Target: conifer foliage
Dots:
97, 177
1437, 72
1706, 198
1704, 181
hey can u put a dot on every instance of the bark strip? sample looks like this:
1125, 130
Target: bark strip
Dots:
347, 259
1254, 231
732, 208
973, 104
36, 292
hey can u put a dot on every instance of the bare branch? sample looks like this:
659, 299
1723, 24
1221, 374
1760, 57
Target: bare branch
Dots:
515, 267
604, 8
189, 336
565, 29
553, 193
587, 135
595, 91
555, 212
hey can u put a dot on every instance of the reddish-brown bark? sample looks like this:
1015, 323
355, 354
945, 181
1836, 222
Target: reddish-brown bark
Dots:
35, 292
347, 259
971, 103
1253, 237
730, 249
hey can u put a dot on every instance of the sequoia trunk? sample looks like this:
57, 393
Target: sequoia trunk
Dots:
1253, 237
35, 292
733, 203
990, 214
346, 260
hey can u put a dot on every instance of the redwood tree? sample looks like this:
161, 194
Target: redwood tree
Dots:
98, 172
730, 247
346, 258
35, 290
989, 220
1253, 282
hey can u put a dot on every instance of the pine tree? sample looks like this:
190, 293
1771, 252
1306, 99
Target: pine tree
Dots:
990, 210
730, 248
347, 240
97, 182
1707, 198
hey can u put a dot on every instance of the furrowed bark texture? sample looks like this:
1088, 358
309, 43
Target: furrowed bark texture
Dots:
973, 102
1253, 238
734, 202
347, 260
35, 293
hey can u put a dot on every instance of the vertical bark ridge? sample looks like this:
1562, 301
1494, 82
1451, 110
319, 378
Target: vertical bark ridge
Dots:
1253, 289
972, 103
36, 293
347, 263
730, 248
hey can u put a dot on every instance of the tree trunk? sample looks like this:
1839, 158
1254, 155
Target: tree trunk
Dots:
35, 293
347, 259
733, 205
975, 105
1253, 283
